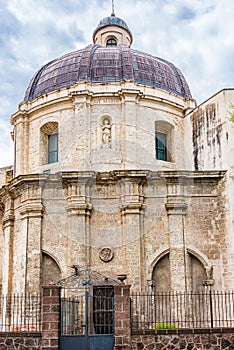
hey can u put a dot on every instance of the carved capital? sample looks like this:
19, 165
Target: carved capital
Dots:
31, 209
132, 197
8, 218
77, 189
176, 205
132, 208
75, 208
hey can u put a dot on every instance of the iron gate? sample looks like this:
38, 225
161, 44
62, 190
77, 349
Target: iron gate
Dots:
87, 317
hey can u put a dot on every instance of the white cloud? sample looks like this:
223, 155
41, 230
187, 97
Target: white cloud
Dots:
196, 35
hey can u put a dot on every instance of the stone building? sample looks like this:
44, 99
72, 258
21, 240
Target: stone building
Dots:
117, 169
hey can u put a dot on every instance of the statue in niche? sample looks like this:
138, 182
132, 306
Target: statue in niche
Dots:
106, 133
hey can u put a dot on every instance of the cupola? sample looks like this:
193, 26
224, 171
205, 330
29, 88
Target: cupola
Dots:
112, 31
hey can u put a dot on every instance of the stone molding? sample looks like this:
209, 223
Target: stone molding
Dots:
31, 210
79, 209
77, 190
176, 207
132, 197
8, 218
132, 208
95, 89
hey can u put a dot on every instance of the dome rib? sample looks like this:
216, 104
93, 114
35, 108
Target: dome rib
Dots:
126, 63
32, 86
97, 64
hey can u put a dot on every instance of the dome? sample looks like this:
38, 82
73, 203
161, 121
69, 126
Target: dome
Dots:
98, 64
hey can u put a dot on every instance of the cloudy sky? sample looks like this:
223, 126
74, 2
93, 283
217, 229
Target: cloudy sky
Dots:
196, 35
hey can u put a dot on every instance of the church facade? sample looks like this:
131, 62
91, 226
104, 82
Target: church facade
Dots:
117, 169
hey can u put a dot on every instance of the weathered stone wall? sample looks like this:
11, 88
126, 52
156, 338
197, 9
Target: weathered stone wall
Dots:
213, 146
198, 229
132, 110
196, 339
121, 222
191, 340
212, 132
6, 175
23, 341
1, 247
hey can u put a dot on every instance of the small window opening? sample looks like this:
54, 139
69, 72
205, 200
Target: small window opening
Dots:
111, 42
161, 146
53, 148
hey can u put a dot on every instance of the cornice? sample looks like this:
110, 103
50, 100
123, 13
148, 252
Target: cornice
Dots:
31, 209
170, 175
126, 91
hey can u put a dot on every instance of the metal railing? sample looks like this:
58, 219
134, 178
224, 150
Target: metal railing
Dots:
167, 310
20, 313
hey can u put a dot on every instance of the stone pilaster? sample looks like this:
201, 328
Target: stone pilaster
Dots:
176, 209
27, 235
132, 206
8, 220
82, 127
131, 147
79, 208
31, 216
21, 143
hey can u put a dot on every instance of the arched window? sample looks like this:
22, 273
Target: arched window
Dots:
111, 42
164, 142
49, 143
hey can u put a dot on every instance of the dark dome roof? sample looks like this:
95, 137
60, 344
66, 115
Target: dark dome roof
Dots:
99, 64
112, 20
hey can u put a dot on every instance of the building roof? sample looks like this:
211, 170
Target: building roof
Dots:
99, 64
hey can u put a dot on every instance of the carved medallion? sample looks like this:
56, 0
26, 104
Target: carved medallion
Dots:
106, 254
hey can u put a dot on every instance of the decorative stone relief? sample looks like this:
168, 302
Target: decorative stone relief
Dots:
106, 254
106, 133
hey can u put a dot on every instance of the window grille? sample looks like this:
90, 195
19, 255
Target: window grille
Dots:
111, 42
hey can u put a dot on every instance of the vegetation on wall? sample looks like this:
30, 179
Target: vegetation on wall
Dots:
231, 113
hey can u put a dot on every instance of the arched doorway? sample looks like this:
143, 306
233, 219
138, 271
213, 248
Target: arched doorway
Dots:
51, 273
161, 275
195, 273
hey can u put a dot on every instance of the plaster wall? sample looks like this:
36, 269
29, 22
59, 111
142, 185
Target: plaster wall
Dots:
213, 148
212, 132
